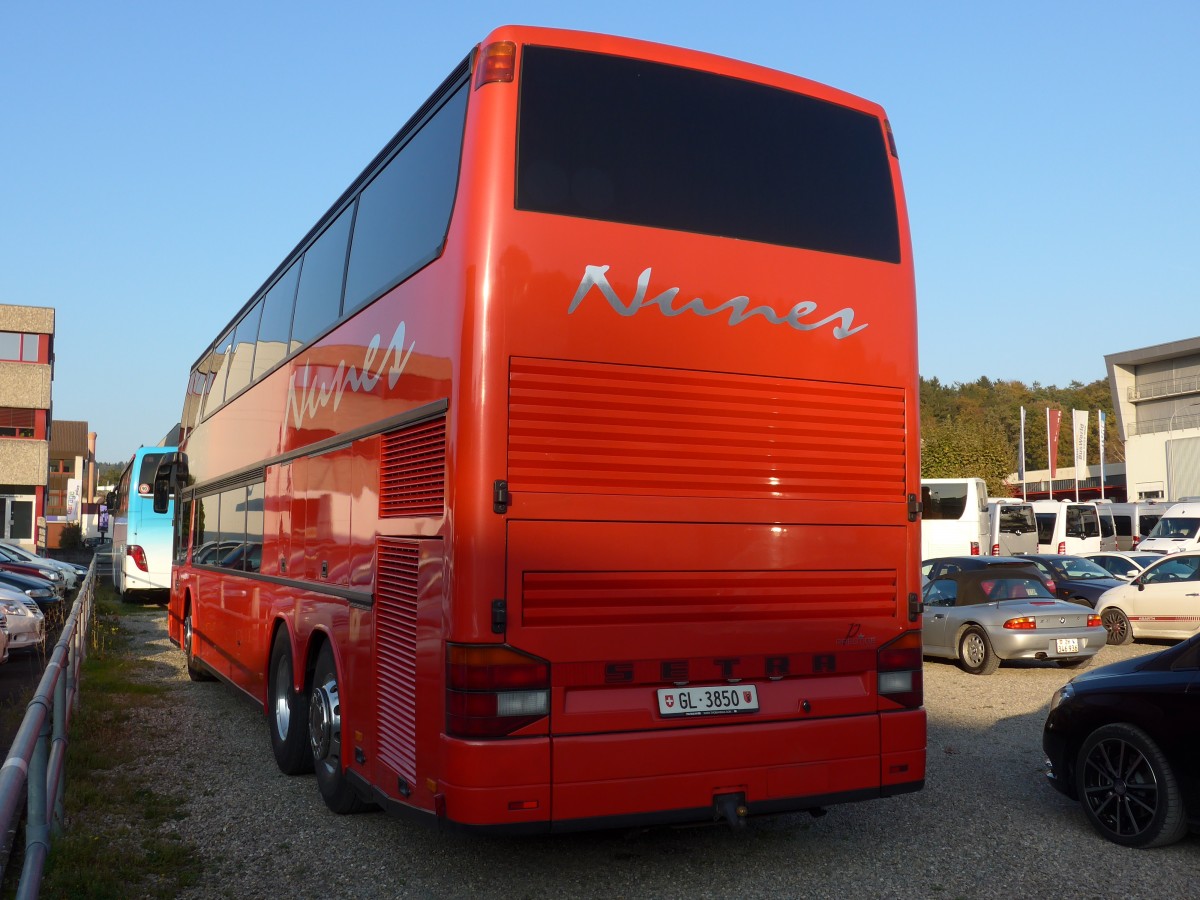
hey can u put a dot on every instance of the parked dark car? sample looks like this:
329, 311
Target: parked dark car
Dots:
1075, 578
945, 566
24, 567
39, 590
1122, 741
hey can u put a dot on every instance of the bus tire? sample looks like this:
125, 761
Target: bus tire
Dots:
325, 738
195, 672
287, 712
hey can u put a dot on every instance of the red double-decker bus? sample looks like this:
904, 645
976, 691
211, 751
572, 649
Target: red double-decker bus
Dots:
565, 475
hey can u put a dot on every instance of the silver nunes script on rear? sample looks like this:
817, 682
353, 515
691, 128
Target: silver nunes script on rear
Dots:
738, 307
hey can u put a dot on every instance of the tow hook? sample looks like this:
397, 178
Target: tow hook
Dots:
731, 808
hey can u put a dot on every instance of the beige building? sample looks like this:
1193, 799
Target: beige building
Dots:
1156, 395
26, 371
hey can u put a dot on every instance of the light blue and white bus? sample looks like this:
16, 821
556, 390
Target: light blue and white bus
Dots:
141, 538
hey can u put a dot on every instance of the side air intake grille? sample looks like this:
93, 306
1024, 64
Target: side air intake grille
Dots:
396, 654
412, 471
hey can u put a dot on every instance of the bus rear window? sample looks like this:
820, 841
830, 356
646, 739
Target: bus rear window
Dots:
150, 461
643, 143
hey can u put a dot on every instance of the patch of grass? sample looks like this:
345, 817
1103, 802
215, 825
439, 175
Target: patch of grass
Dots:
118, 840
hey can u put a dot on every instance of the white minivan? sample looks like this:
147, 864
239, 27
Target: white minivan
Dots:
1135, 520
1108, 524
1013, 527
954, 517
1067, 526
1178, 529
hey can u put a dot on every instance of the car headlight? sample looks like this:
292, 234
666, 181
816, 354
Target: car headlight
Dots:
13, 608
35, 593
1066, 692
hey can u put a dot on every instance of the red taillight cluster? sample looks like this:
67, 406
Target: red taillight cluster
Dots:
974, 548
1062, 548
899, 667
1021, 623
138, 555
995, 549
1095, 622
493, 690
1136, 538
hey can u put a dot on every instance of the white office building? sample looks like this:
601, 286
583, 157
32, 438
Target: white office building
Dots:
1156, 395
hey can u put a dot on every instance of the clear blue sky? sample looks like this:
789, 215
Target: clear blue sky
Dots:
157, 160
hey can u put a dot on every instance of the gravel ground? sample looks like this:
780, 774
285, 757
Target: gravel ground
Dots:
986, 825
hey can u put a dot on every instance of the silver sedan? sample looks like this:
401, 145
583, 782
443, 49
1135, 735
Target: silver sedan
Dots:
981, 617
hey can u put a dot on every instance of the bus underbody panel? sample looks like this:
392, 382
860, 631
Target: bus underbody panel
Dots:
681, 776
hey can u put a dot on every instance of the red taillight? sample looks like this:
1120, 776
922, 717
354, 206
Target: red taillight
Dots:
497, 63
1062, 548
1050, 586
138, 555
1022, 623
995, 549
974, 548
899, 667
1136, 538
1095, 622
493, 690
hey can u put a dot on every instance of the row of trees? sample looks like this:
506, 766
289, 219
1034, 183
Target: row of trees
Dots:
975, 429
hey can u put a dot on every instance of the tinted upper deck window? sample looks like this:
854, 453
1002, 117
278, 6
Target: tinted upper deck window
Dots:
643, 143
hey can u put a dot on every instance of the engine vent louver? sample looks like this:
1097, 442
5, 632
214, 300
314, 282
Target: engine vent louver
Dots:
412, 471
396, 654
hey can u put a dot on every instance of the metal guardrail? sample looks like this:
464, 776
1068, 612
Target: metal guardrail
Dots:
1169, 423
36, 764
1163, 388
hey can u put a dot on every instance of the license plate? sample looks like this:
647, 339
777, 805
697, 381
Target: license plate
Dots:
708, 701
1068, 645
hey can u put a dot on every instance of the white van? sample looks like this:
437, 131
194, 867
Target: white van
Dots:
954, 517
1013, 527
1134, 521
1108, 524
1178, 529
1067, 526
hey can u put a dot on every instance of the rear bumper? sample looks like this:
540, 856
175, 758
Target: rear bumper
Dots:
622, 780
1042, 644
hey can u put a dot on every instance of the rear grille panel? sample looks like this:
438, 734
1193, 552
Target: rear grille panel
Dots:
610, 429
720, 598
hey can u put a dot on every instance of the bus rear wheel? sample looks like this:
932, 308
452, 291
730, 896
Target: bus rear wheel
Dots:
325, 738
287, 714
194, 671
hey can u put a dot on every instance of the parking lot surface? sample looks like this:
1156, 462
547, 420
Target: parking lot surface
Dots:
986, 825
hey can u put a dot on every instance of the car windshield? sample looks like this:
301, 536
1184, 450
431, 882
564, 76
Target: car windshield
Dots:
1175, 527
1078, 568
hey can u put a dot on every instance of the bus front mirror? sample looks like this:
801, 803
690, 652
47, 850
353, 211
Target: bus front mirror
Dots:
110, 500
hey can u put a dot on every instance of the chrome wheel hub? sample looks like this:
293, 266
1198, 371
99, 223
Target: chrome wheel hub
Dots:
283, 689
325, 722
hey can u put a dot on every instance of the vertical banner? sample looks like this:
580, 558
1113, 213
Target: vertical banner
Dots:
1079, 427
1053, 424
1100, 425
1021, 456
